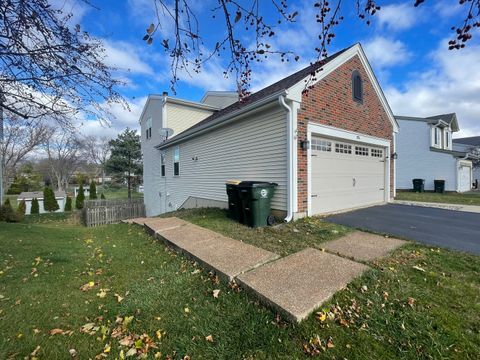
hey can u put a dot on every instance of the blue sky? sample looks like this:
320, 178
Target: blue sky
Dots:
406, 46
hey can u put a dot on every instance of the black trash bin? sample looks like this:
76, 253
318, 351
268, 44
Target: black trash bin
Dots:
439, 186
256, 199
418, 185
235, 211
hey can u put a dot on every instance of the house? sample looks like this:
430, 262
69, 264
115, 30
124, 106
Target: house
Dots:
425, 151
328, 149
60, 196
86, 191
472, 146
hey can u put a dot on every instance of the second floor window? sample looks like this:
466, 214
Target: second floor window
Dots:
162, 163
357, 87
447, 139
176, 161
437, 136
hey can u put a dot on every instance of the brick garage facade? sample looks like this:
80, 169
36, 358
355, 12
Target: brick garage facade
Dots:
330, 103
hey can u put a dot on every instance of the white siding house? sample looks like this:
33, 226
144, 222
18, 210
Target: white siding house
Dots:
266, 137
470, 145
60, 196
425, 151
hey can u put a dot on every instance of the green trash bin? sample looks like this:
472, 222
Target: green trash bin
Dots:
235, 211
418, 185
256, 199
439, 186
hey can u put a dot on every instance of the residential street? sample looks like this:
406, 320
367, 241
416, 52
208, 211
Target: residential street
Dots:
439, 227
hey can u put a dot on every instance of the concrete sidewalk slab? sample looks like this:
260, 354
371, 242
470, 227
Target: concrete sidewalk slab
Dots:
455, 207
298, 284
226, 257
363, 246
153, 225
137, 221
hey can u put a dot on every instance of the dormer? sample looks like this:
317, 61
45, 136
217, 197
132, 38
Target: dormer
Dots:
441, 129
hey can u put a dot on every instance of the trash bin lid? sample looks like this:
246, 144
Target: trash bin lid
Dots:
253, 184
233, 182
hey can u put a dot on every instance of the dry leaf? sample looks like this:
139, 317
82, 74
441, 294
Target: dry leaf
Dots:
57, 332
215, 293
321, 316
159, 334
35, 352
330, 343
73, 353
187, 310
418, 268
411, 301
119, 298
209, 338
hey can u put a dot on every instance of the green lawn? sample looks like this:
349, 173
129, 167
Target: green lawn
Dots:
402, 311
471, 198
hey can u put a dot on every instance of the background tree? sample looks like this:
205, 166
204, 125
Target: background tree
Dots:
49, 201
97, 151
51, 67
21, 209
249, 35
64, 149
68, 203
93, 191
102, 196
126, 157
35, 208
21, 138
6, 212
79, 201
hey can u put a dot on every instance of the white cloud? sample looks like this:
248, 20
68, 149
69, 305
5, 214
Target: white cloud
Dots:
124, 56
383, 52
398, 16
452, 85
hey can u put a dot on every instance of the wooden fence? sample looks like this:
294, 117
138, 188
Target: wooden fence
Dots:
101, 212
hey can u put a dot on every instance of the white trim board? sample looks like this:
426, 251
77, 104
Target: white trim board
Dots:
332, 132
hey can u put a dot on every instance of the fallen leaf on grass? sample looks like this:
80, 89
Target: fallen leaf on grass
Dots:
37, 331
102, 293
321, 316
87, 286
418, 268
131, 352
330, 343
209, 338
187, 310
57, 332
159, 334
411, 301
215, 293
73, 353
119, 298
36, 351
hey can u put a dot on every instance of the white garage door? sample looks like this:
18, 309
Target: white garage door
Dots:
345, 175
465, 177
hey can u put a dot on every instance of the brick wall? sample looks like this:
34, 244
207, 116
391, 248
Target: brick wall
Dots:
330, 103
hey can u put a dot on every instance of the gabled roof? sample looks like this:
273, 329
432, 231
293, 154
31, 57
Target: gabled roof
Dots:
296, 80
472, 141
450, 119
38, 195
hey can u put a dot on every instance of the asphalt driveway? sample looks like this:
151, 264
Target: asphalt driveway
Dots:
446, 228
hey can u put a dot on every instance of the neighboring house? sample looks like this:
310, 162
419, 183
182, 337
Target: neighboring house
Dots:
328, 149
86, 191
472, 146
29, 196
425, 151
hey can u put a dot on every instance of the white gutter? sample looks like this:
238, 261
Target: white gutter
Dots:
290, 190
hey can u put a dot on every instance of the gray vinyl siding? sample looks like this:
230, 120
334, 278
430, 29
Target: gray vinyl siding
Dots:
220, 101
416, 160
181, 117
151, 158
249, 149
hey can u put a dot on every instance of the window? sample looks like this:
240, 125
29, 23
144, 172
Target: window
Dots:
321, 145
162, 163
377, 153
447, 140
361, 150
436, 137
176, 161
357, 87
148, 126
343, 148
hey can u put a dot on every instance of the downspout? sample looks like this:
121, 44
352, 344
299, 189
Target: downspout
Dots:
290, 190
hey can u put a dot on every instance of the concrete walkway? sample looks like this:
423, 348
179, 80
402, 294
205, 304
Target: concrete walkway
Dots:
295, 285
456, 207
363, 246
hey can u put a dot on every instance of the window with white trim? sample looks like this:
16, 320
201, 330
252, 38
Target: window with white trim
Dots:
361, 150
447, 139
377, 153
321, 145
343, 148
436, 136
176, 161
148, 127
162, 163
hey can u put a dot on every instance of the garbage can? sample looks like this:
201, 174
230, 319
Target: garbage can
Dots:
235, 211
256, 199
439, 186
418, 185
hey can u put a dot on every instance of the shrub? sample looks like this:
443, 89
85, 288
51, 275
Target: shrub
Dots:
49, 202
68, 203
102, 196
6, 212
35, 209
80, 198
22, 208
93, 191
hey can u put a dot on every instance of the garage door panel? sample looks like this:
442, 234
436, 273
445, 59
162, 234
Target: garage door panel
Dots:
342, 180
